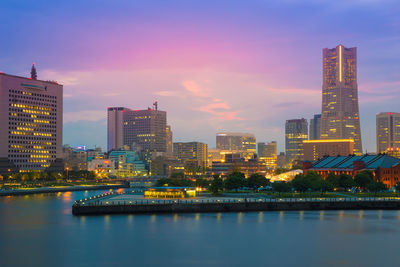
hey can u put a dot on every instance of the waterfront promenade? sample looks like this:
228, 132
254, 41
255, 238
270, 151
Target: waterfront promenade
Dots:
112, 203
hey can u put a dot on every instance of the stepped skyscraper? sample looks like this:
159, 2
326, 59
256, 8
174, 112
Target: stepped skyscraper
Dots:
340, 114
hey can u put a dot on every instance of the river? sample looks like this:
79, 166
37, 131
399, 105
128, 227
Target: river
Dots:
39, 230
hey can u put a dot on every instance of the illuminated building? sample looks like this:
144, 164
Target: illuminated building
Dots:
127, 163
236, 142
281, 160
234, 162
340, 114
385, 169
296, 131
170, 192
315, 149
387, 131
169, 152
267, 154
315, 127
75, 159
31, 118
194, 153
394, 152
141, 130
102, 167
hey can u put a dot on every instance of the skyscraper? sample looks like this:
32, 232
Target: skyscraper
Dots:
169, 153
236, 142
267, 153
296, 131
387, 131
141, 130
191, 151
340, 115
315, 127
31, 117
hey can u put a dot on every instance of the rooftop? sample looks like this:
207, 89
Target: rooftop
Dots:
346, 162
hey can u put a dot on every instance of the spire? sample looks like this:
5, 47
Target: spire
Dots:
33, 72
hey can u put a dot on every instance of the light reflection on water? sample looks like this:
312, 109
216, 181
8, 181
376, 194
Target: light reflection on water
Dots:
37, 223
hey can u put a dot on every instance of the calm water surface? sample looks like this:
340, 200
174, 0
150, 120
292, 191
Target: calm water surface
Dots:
39, 230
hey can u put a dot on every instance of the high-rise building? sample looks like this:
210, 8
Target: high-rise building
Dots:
315, 127
236, 142
296, 131
387, 131
191, 151
141, 130
340, 116
169, 153
267, 153
31, 116
316, 149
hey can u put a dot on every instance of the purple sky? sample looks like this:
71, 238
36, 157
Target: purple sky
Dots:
213, 65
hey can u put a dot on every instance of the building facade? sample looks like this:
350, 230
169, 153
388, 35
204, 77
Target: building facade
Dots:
267, 154
31, 113
387, 131
315, 127
340, 117
195, 152
316, 149
296, 131
169, 135
236, 142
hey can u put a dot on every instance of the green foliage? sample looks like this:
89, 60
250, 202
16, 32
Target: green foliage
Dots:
362, 179
376, 186
300, 183
200, 182
235, 181
257, 180
333, 179
397, 187
174, 182
217, 185
346, 181
280, 170
281, 187
177, 175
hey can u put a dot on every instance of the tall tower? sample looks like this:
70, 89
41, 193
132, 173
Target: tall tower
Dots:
387, 131
296, 131
33, 72
315, 127
340, 115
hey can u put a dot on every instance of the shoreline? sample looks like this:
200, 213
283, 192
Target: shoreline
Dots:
44, 190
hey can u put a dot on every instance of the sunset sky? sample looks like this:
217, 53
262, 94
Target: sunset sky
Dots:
243, 66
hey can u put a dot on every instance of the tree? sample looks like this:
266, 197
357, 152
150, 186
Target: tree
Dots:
217, 185
314, 179
325, 186
333, 179
162, 182
362, 179
177, 175
346, 181
235, 181
375, 186
280, 187
257, 180
300, 183
200, 182
397, 187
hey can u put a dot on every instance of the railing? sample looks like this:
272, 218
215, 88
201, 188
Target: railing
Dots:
101, 200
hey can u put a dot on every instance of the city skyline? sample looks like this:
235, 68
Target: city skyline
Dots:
229, 72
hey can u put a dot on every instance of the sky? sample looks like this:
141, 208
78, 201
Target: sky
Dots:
213, 65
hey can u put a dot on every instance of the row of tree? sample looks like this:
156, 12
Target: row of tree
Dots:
48, 176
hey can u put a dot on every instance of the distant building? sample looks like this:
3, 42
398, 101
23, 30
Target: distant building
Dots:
169, 152
267, 153
233, 162
236, 142
315, 127
315, 149
141, 130
195, 152
127, 163
385, 169
75, 159
32, 121
387, 131
296, 131
281, 161
102, 167
340, 118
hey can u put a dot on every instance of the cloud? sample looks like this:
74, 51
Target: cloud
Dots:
85, 115
194, 88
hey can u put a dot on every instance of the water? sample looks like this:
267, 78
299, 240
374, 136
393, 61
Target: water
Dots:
39, 230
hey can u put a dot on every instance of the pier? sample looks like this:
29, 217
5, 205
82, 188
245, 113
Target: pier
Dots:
112, 203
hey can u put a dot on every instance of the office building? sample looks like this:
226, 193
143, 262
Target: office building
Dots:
315, 127
75, 159
296, 131
316, 149
387, 131
340, 117
169, 152
236, 142
31, 116
195, 152
267, 153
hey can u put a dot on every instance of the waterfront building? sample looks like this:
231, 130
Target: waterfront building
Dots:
195, 152
387, 132
169, 152
267, 154
340, 117
385, 169
315, 149
31, 116
75, 159
141, 130
315, 127
102, 167
127, 163
236, 141
296, 131
170, 192
95, 153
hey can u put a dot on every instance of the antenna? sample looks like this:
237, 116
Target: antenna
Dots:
155, 105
